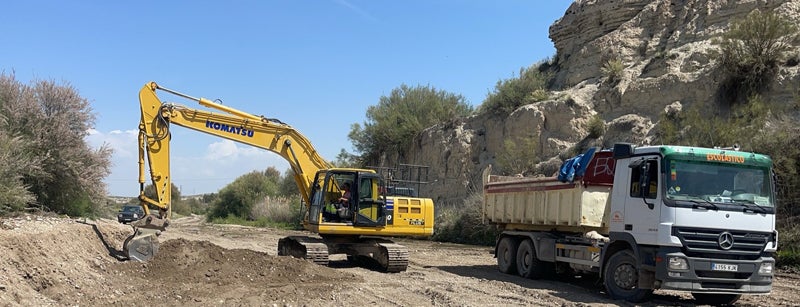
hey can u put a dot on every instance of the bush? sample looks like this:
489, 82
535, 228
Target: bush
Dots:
597, 127
512, 93
612, 69
283, 212
788, 257
463, 223
696, 127
237, 199
277, 212
789, 242
751, 50
256, 199
518, 156
192, 206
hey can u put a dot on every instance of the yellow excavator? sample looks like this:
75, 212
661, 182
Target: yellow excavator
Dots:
358, 226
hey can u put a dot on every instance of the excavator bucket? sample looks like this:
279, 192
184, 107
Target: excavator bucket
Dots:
142, 245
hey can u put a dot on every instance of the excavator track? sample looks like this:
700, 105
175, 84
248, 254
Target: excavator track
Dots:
384, 255
312, 249
396, 257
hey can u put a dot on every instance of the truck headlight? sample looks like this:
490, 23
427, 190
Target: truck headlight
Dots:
678, 263
766, 268
136, 216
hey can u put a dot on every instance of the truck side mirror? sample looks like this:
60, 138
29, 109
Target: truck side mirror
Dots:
644, 179
623, 150
644, 182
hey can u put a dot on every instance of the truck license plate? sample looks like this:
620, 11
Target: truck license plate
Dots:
724, 267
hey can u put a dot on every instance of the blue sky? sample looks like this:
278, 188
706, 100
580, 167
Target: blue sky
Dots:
312, 64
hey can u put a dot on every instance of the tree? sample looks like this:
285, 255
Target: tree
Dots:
14, 194
346, 159
397, 119
49, 122
237, 198
288, 187
150, 192
175, 193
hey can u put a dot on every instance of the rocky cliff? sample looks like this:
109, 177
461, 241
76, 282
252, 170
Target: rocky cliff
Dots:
666, 48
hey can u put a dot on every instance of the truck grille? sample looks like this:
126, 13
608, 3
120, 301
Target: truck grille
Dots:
700, 242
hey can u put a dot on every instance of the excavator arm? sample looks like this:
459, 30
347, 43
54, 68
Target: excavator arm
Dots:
239, 126
154, 149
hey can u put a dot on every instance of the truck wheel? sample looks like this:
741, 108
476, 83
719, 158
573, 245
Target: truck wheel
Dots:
621, 278
507, 255
528, 265
715, 299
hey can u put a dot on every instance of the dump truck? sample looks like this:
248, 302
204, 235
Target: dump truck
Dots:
693, 219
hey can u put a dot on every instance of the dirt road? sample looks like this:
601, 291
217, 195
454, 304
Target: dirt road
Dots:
57, 261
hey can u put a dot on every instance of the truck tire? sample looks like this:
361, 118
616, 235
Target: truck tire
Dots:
621, 278
715, 299
528, 265
507, 255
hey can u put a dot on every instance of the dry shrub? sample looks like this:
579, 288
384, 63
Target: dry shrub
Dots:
278, 210
463, 223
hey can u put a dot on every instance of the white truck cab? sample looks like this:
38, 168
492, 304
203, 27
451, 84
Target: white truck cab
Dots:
691, 219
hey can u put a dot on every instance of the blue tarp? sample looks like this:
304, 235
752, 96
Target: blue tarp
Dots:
575, 166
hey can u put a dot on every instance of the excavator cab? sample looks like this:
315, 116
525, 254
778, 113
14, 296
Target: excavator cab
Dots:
365, 204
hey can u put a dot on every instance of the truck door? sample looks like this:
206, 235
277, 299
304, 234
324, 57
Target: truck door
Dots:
642, 209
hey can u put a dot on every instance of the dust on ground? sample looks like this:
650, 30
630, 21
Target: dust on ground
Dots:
75, 262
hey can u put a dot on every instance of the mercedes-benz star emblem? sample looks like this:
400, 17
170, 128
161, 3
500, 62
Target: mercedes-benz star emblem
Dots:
725, 240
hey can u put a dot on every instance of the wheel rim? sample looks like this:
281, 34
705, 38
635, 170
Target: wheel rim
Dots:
526, 259
625, 276
506, 254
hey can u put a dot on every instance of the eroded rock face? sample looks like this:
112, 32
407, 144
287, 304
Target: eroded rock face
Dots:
668, 55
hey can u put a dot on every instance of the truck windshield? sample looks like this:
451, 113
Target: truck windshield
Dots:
718, 183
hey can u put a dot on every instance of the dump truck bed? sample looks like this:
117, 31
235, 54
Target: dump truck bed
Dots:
547, 203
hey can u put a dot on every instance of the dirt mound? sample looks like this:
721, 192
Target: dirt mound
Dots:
57, 261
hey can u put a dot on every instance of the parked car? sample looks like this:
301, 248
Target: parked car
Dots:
130, 213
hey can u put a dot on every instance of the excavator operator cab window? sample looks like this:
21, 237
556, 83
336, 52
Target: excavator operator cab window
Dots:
338, 197
371, 207
366, 189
